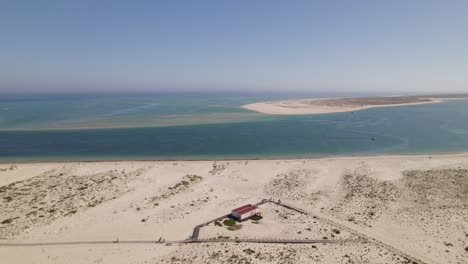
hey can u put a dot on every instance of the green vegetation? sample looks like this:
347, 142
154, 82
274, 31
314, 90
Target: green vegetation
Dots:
256, 217
229, 222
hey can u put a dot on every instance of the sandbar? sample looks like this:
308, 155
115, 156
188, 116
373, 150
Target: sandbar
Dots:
342, 104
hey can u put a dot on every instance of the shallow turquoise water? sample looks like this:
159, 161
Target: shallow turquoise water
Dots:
97, 111
226, 130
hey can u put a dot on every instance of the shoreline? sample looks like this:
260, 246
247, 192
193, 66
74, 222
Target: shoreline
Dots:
323, 157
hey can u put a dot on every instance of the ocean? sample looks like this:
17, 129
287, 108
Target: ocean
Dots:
53, 127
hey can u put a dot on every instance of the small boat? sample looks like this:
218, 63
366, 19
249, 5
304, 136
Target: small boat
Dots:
374, 138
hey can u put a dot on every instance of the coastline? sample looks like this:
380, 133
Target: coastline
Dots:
266, 158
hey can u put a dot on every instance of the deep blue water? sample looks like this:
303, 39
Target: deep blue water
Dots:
430, 128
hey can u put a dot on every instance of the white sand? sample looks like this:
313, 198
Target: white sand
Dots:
316, 106
149, 200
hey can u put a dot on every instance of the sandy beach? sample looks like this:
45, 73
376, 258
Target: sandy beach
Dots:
336, 105
373, 209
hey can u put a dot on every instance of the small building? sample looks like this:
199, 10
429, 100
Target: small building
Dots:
245, 212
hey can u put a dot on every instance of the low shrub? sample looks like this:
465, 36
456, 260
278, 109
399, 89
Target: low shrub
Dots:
229, 222
256, 217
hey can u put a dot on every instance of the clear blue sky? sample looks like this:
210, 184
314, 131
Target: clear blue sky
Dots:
412, 46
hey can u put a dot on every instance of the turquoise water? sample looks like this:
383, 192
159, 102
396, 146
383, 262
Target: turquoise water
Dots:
101, 111
214, 127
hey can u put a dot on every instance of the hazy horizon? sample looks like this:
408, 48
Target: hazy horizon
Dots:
396, 47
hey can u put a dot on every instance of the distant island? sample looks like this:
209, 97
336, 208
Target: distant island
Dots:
342, 104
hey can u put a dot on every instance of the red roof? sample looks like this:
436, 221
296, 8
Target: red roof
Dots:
244, 209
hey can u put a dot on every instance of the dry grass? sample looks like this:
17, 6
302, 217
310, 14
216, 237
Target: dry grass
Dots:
9, 168
291, 185
186, 182
364, 197
244, 253
42, 199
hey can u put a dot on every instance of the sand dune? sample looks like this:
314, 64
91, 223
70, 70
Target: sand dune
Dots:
416, 203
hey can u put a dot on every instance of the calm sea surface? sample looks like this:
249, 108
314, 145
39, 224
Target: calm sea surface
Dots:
208, 126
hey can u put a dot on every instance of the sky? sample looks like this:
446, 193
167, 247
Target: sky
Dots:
244, 45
